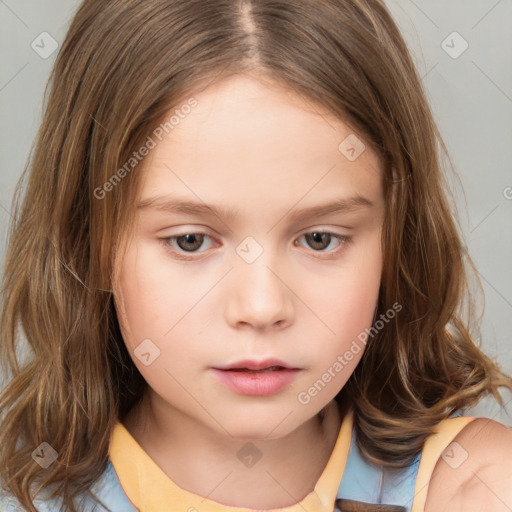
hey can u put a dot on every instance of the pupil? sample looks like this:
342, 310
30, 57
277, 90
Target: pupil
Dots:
190, 239
316, 238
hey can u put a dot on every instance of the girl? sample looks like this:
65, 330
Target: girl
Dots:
238, 274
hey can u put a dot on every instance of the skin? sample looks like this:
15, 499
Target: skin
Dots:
263, 150
482, 481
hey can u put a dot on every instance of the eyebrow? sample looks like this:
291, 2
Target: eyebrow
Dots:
172, 205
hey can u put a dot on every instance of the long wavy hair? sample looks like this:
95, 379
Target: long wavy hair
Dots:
121, 68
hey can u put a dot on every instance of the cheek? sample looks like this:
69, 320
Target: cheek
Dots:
147, 310
349, 294
161, 312
347, 307
145, 283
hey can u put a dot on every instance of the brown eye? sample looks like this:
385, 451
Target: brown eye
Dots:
190, 242
318, 240
321, 240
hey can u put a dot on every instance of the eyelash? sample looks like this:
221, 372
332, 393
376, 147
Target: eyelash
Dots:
344, 240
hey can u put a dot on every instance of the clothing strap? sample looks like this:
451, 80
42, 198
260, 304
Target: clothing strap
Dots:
434, 446
403, 489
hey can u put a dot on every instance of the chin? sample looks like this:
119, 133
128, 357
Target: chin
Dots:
259, 427
257, 433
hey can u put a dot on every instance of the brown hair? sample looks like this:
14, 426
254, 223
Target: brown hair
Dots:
122, 66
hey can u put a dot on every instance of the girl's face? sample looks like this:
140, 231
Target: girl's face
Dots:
228, 262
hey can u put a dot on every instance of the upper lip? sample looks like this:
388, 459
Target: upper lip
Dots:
251, 364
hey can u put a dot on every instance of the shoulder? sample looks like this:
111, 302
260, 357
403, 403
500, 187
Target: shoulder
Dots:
475, 470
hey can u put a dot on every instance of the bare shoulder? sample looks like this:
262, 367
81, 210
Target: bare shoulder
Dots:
475, 471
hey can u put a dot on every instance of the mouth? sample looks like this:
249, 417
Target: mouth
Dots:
264, 370
252, 366
264, 380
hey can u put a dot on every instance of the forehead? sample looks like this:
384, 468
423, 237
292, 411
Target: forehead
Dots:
247, 139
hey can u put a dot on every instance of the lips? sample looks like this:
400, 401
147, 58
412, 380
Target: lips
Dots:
248, 365
256, 378
271, 369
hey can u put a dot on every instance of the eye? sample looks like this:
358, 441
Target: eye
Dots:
188, 242
320, 240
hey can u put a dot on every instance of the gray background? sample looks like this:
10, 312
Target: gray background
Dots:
471, 97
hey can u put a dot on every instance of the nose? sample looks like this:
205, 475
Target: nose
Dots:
258, 296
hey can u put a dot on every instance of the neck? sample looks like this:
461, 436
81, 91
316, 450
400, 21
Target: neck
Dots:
186, 451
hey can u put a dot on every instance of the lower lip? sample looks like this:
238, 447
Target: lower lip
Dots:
257, 383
